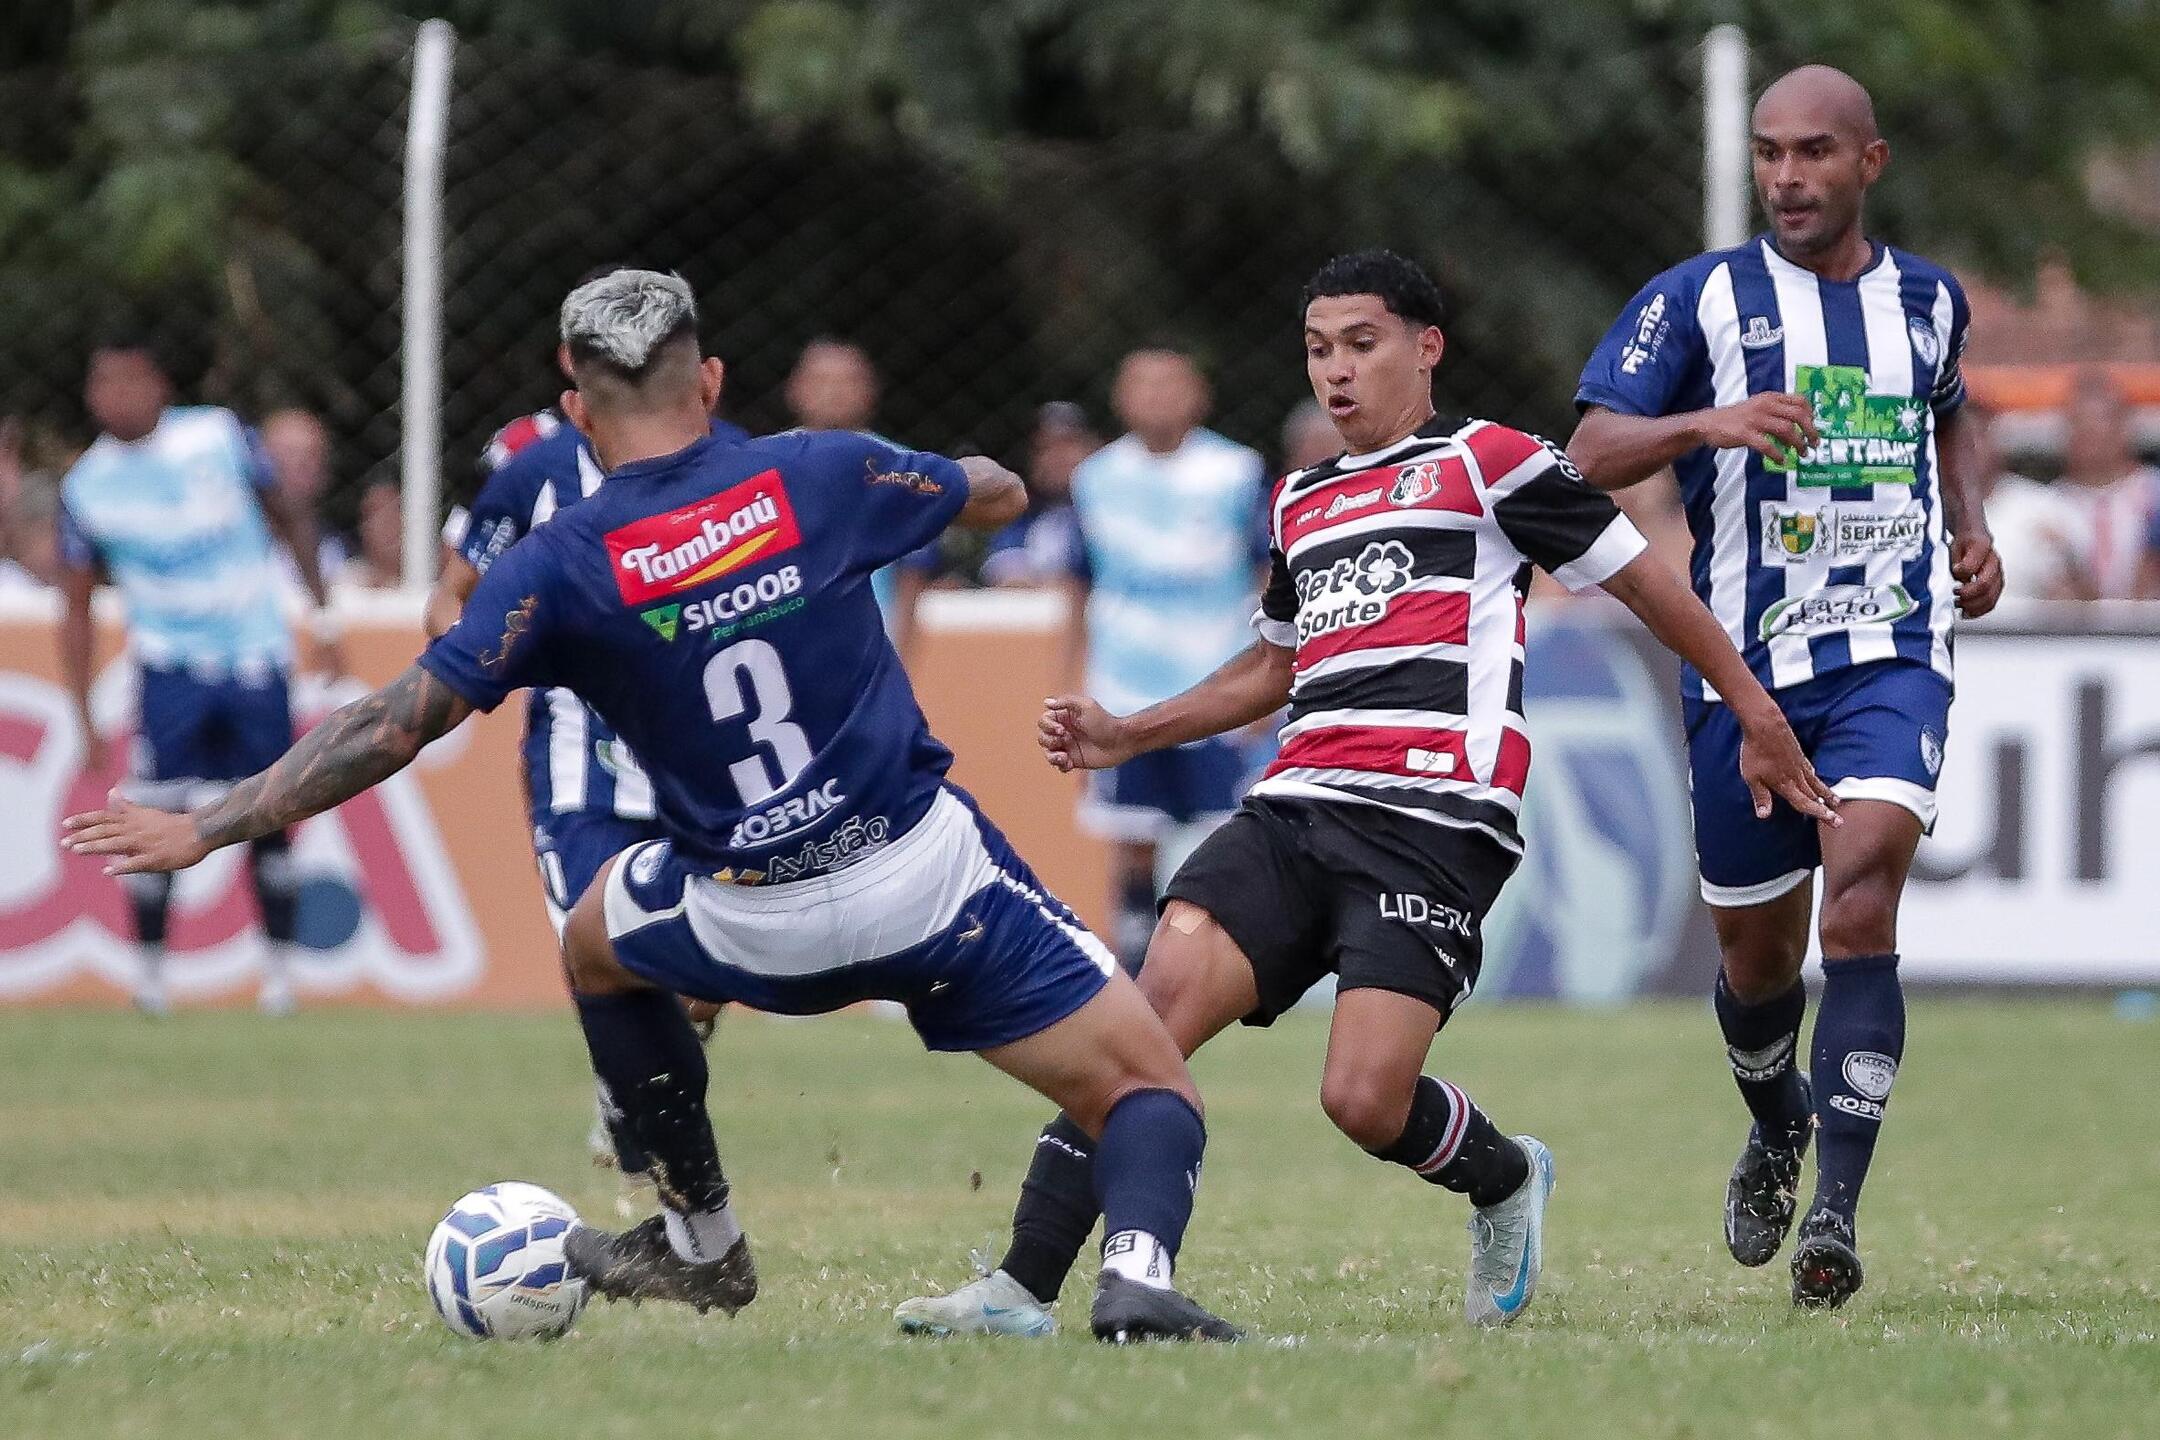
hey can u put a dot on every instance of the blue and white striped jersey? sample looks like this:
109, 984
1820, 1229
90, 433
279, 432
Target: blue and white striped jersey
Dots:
1837, 557
176, 520
533, 467
1172, 547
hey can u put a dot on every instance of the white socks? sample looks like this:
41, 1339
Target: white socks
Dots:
704, 1236
1138, 1256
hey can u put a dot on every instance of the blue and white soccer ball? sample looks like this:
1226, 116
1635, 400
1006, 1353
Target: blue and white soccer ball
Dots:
495, 1267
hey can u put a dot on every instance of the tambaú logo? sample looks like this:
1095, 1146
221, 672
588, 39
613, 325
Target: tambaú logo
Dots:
662, 555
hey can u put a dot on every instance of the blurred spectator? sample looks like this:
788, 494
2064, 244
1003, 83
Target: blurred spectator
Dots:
29, 509
32, 561
380, 563
1167, 569
2031, 522
298, 444
833, 387
2109, 493
1308, 437
1037, 549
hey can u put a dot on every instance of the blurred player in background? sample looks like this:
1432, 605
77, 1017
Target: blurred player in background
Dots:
1392, 626
169, 504
1805, 387
834, 386
713, 602
1171, 549
586, 795
1308, 437
1037, 549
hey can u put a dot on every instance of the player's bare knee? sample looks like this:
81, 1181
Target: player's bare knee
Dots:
1859, 919
1366, 1103
1762, 970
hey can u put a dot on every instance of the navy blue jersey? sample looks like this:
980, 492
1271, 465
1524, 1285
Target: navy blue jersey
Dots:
1836, 557
714, 607
574, 764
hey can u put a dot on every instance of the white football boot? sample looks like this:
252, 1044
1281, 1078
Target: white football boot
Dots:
994, 1304
1507, 1244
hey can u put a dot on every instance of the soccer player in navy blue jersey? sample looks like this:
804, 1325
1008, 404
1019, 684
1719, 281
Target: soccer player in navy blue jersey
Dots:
587, 797
712, 603
1805, 388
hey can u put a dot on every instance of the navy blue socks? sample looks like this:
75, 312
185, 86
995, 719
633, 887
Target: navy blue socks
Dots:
1147, 1166
1762, 1041
1859, 1040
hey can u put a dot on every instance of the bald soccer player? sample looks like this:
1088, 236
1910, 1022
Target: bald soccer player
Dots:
1805, 388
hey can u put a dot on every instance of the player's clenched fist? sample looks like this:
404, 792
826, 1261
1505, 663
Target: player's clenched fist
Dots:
1078, 734
1774, 425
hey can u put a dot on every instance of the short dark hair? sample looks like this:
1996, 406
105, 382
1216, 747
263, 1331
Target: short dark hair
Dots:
135, 336
1401, 283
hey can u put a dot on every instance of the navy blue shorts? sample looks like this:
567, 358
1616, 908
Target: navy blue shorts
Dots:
945, 919
1874, 732
221, 730
572, 846
1147, 795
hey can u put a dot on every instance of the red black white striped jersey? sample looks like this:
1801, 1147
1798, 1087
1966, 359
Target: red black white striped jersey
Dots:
1399, 579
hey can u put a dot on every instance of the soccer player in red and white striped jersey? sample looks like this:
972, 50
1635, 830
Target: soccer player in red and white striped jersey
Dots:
1377, 842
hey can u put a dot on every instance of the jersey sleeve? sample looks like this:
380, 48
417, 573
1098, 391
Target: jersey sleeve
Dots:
1640, 365
1949, 391
903, 498
498, 518
500, 641
1549, 512
1276, 619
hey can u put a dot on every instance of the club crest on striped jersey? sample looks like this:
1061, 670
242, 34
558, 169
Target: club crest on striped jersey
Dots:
664, 555
1925, 342
1415, 484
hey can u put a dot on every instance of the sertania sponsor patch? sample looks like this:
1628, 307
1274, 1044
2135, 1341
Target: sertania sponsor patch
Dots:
695, 545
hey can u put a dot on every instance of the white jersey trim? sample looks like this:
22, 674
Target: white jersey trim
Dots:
1607, 556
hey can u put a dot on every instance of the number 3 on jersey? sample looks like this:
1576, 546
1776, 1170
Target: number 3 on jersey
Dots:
746, 679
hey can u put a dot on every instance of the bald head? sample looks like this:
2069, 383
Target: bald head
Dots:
1816, 153
1818, 98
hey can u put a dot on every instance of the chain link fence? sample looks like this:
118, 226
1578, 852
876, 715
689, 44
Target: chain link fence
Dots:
255, 208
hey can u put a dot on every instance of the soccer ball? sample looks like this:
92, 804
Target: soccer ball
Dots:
495, 1266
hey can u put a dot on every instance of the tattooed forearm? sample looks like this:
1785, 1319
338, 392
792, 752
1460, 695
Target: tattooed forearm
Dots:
358, 746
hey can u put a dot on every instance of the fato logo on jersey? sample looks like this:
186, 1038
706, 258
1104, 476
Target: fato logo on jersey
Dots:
667, 554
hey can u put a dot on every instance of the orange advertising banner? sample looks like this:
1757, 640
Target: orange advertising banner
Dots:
423, 891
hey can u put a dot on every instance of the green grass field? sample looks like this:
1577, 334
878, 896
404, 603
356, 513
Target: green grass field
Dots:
211, 1227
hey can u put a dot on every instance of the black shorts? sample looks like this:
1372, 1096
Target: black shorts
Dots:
1381, 900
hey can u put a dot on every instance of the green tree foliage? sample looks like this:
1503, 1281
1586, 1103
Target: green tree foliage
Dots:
1023, 186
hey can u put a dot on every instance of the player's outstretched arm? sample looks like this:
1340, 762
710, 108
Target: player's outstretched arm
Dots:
1771, 760
1614, 451
996, 497
359, 745
1078, 734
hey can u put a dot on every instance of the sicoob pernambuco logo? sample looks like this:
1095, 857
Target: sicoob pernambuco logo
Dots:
662, 555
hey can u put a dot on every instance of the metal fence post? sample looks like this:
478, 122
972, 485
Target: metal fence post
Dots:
1725, 136
421, 397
